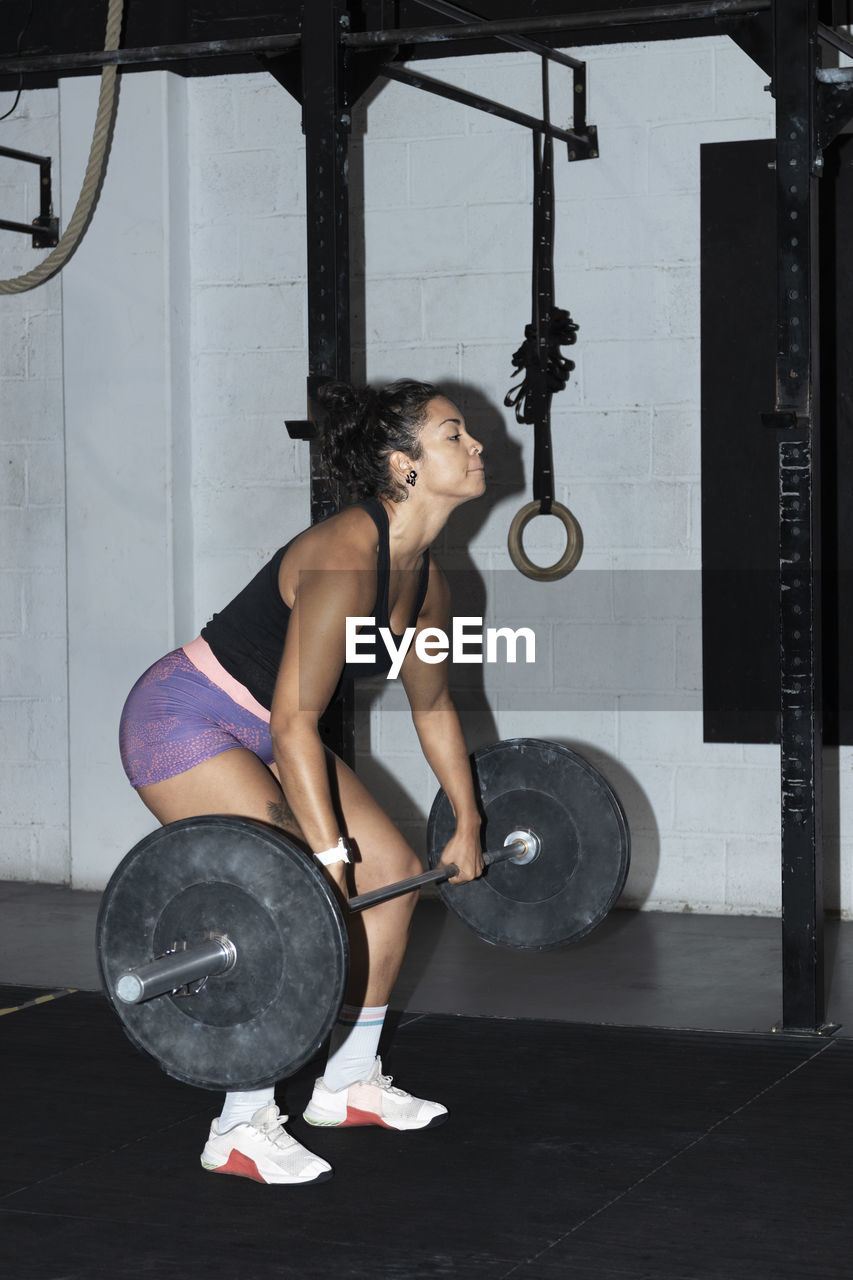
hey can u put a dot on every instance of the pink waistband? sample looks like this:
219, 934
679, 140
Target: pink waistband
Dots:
201, 656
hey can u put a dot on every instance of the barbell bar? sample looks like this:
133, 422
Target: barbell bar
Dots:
183, 966
235, 901
520, 847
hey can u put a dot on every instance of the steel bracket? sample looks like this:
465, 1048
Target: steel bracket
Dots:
581, 146
834, 104
45, 228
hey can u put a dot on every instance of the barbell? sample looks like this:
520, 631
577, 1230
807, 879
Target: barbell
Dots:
223, 950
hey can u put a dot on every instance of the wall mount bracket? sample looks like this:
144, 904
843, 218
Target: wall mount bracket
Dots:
45, 228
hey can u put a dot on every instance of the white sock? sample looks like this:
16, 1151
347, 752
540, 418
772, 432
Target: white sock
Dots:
353, 1046
239, 1108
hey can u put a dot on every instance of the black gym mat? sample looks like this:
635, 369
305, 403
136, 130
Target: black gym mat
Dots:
590, 1152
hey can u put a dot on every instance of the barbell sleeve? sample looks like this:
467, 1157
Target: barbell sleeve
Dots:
175, 970
516, 849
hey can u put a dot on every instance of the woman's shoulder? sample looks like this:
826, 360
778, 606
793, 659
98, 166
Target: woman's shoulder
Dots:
346, 540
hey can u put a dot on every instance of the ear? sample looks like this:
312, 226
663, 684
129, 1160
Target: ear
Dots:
400, 463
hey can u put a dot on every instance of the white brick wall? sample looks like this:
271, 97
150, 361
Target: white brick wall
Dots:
249, 329
446, 297
33, 682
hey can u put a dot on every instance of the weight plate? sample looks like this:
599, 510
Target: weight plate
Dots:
583, 862
265, 1018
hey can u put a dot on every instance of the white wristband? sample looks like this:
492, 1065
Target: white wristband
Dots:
338, 853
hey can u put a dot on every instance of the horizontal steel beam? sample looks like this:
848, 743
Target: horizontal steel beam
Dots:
691, 11
150, 54
503, 30
9, 153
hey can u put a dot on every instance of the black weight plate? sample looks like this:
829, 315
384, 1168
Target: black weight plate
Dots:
266, 1017
568, 889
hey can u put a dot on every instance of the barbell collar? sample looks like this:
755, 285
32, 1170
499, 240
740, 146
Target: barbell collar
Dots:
176, 969
519, 850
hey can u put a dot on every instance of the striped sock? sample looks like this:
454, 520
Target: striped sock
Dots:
353, 1046
239, 1108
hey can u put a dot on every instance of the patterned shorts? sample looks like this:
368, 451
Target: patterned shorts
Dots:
176, 716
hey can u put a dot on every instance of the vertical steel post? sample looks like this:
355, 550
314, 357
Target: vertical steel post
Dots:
326, 124
795, 60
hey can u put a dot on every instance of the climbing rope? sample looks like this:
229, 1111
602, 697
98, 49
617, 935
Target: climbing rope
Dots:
95, 169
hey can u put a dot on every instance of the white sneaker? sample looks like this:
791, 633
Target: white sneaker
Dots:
261, 1149
373, 1100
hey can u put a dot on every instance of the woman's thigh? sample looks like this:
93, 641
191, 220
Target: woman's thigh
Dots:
238, 782
233, 782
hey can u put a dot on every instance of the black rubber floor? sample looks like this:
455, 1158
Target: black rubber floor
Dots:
12, 999
571, 1151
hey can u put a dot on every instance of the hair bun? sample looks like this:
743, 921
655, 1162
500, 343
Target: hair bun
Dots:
361, 427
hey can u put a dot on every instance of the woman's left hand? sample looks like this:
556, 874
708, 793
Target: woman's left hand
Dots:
463, 850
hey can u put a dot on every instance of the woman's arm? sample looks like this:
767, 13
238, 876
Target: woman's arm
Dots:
312, 661
440, 733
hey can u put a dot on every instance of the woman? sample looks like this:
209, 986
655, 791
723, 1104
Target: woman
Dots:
229, 724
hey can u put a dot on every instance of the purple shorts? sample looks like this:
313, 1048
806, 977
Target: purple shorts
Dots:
184, 710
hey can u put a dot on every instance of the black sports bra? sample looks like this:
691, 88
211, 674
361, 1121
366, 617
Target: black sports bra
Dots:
248, 635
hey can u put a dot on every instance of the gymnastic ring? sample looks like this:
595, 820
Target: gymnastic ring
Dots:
569, 558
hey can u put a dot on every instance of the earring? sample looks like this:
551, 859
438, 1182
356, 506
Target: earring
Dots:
411, 478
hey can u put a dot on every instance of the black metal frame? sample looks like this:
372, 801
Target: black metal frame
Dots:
345, 45
562, 24
146, 56
326, 123
581, 147
45, 228
218, 38
797, 417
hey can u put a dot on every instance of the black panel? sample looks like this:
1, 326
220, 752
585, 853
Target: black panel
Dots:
739, 455
739, 500
837, 386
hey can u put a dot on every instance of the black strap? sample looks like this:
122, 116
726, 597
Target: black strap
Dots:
546, 369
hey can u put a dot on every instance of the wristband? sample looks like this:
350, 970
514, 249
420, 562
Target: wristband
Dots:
338, 853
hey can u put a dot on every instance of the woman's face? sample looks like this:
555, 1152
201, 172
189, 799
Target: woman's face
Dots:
451, 461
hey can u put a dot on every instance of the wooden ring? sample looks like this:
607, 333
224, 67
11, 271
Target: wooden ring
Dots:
569, 558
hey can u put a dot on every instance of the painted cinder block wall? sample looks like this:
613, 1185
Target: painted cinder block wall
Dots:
34, 796
444, 294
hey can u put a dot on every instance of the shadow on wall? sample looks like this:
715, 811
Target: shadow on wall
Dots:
639, 814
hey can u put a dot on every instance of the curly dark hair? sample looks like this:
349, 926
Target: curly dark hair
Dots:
363, 426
